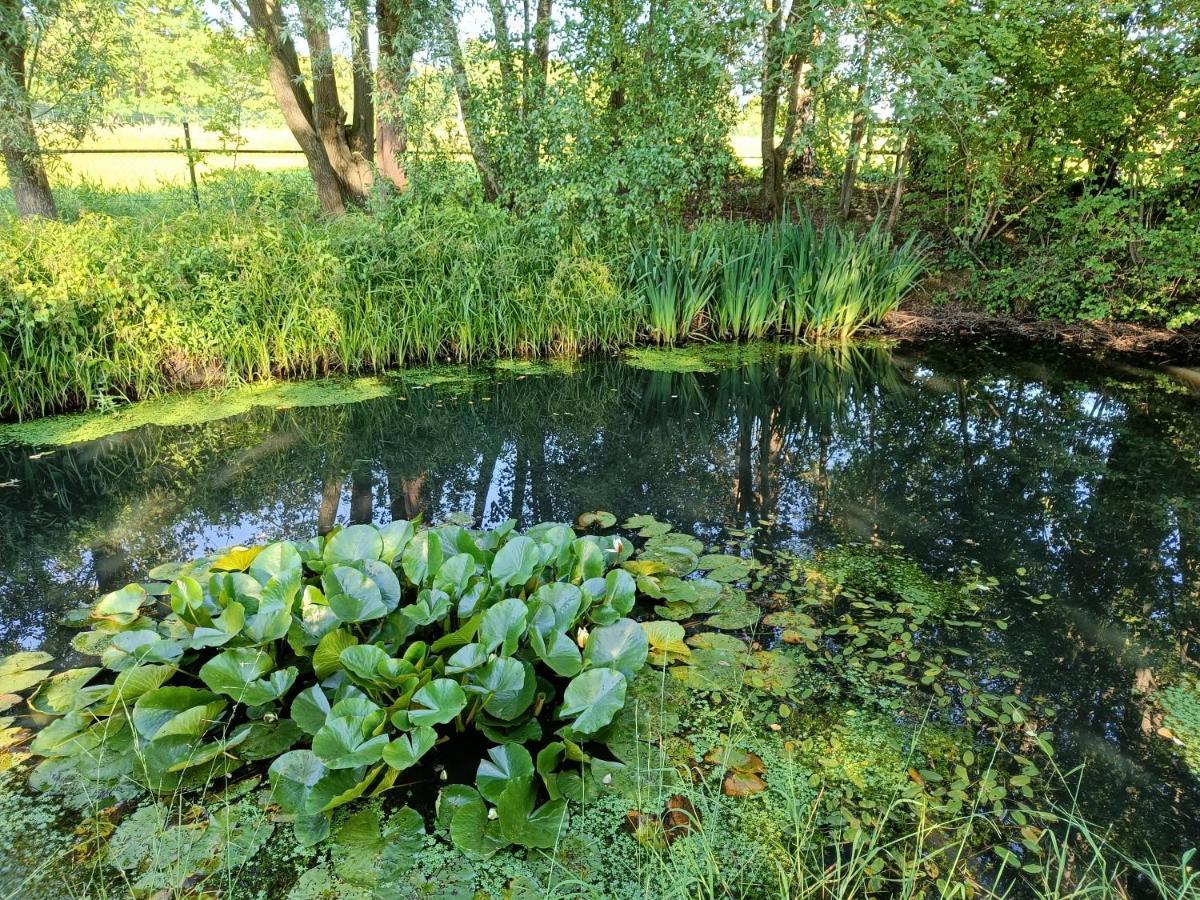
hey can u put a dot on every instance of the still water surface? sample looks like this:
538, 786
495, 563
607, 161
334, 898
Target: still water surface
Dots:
1083, 474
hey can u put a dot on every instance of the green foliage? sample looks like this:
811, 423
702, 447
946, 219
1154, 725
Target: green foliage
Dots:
338, 659
745, 282
1182, 719
106, 307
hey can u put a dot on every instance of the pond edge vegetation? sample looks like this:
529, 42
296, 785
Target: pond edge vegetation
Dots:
108, 309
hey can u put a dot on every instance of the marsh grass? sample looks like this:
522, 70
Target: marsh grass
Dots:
744, 281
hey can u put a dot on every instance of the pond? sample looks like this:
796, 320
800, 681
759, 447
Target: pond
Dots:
1073, 482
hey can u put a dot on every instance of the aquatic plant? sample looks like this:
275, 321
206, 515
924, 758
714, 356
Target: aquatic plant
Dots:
748, 281
340, 658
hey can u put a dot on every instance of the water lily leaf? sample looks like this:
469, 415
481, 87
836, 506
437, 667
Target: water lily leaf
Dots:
352, 595
684, 541
666, 641
236, 559
408, 749
516, 561
23, 661
466, 658
521, 824
311, 830
442, 698
370, 665
729, 574
641, 520
301, 784
622, 646
278, 560
653, 529
565, 602
646, 567
236, 673
156, 709
558, 652
432, 605
743, 773
422, 557
348, 738
61, 693
679, 560
310, 709
453, 575
593, 698
14, 682
503, 626
472, 832
121, 606
598, 517
395, 536
735, 616
327, 658
270, 623
507, 684
715, 640
267, 741
132, 683
132, 647
186, 596
220, 630
449, 799
588, 560
504, 763
357, 542
794, 626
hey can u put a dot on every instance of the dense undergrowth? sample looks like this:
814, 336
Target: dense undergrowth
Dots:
279, 721
130, 301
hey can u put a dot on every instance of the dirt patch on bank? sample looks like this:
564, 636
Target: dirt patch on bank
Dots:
920, 321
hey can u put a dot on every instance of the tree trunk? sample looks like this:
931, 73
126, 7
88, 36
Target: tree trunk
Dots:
858, 126
777, 65
287, 83
362, 118
898, 191
462, 88
352, 169
397, 44
22, 158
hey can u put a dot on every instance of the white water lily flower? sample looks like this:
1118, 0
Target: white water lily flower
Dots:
581, 637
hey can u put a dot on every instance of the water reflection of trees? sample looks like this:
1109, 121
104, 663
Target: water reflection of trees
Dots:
1087, 478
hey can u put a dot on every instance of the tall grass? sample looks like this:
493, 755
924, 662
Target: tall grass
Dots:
791, 278
141, 293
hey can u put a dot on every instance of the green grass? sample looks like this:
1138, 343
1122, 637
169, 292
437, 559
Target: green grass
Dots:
135, 294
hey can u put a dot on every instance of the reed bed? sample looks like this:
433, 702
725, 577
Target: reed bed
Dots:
743, 281
116, 305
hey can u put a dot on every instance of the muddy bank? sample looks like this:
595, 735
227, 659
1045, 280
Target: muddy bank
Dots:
920, 322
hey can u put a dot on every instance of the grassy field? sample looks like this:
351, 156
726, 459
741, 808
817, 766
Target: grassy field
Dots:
148, 170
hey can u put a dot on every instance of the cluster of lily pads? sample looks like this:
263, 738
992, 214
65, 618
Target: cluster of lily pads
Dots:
346, 659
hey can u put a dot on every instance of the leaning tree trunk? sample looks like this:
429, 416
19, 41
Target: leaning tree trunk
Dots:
287, 83
462, 88
22, 158
353, 169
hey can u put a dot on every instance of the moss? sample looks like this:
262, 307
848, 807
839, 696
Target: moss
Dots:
192, 409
